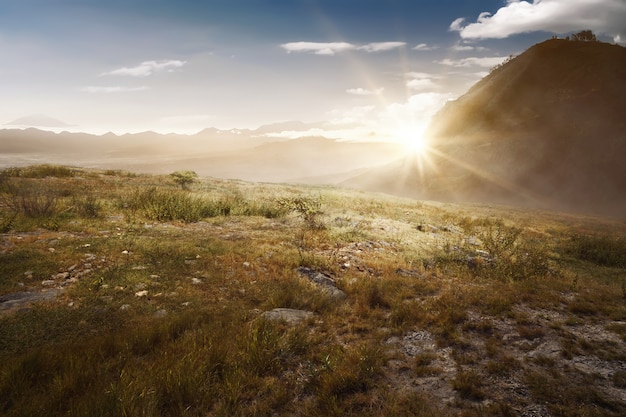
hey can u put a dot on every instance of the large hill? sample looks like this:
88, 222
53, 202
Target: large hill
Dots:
546, 128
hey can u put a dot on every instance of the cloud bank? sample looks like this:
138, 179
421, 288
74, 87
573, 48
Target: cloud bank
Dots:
424, 47
364, 92
557, 16
147, 68
485, 62
114, 89
332, 48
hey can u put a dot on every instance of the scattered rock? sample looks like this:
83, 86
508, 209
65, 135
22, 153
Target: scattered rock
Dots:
316, 276
124, 307
196, 281
409, 273
22, 300
450, 229
427, 228
288, 315
415, 342
141, 293
159, 314
61, 275
48, 283
323, 281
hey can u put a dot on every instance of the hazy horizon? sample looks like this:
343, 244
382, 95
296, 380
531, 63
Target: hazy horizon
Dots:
367, 69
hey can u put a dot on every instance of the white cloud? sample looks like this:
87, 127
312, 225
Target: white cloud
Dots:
486, 62
457, 24
557, 16
364, 92
423, 105
115, 89
460, 47
147, 68
381, 46
423, 47
421, 84
318, 48
332, 48
416, 112
420, 81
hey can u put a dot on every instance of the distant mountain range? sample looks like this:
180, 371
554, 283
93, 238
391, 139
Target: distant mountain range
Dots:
547, 129
253, 155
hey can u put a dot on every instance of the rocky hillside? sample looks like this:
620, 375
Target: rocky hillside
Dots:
546, 128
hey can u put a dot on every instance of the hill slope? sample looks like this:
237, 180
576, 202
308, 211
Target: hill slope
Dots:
546, 128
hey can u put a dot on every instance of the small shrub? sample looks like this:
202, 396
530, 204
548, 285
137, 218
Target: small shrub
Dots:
88, 206
499, 240
506, 256
184, 178
34, 205
309, 209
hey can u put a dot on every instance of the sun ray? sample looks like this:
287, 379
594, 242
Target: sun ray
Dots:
496, 180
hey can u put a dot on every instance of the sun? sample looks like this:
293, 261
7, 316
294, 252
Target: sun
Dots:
412, 136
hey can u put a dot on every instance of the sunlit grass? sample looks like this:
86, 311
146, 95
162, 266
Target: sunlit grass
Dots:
166, 312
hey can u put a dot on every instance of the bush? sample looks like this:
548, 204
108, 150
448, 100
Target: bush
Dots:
306, 207
184, 178
505, 257
32, 203
88, 206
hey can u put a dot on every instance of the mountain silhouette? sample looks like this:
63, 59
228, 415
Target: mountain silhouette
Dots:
546, 128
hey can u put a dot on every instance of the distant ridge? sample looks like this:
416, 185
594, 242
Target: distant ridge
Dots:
233, 154
547, 128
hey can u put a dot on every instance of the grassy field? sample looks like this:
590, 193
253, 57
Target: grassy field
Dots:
161, 300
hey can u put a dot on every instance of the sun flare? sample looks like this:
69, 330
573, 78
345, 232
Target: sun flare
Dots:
413, 138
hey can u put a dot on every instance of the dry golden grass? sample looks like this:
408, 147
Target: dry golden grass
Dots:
448, 309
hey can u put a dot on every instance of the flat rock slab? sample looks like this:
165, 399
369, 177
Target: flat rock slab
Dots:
22, 300
288, 315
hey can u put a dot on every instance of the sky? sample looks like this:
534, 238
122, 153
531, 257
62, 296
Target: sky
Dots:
359, 69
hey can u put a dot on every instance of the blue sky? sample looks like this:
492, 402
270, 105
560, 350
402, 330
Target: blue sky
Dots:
366, 68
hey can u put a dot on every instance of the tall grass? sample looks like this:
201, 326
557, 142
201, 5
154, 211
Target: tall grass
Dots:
602, 250
167, 205
40, 171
